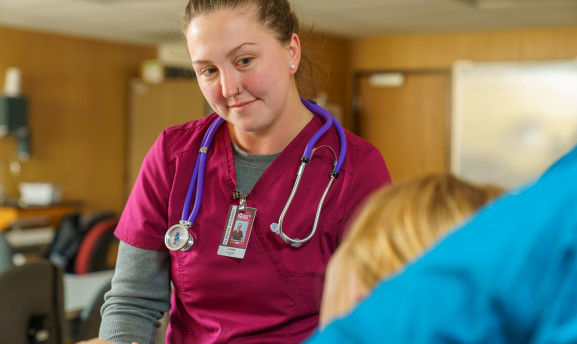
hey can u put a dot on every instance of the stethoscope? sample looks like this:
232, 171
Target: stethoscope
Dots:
178, 236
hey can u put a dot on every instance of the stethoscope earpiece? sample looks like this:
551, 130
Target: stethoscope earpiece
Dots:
178, 238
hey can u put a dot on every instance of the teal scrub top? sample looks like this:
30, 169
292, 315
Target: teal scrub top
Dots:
509, 275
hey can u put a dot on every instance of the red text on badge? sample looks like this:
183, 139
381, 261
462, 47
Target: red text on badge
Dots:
242, 216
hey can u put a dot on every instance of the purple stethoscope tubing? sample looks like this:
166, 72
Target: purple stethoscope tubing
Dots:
197, 178
329, 120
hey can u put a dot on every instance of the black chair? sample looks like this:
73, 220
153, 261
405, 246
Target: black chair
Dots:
64, 245
32, 302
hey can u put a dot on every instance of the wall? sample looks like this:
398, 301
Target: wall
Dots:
333, 71
422, 52
77, 90
340, 58
430, 51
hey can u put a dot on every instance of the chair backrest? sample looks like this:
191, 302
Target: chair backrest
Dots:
97, 247
70, 233
64, 246
32, 302
5, 253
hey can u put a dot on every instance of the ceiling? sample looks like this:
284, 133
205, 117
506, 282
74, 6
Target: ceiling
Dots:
158, 21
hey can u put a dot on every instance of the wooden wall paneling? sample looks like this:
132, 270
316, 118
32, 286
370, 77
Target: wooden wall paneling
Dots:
77, 91
441, 50
333, 71
78, 102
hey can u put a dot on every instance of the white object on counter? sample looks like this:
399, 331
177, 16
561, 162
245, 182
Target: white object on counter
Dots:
39, 193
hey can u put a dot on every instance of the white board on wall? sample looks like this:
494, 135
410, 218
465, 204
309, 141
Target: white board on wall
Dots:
512, 120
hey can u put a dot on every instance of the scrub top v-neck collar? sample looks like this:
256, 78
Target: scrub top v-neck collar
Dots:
287, 161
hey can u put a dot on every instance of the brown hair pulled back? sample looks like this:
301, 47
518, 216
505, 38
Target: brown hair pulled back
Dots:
278, 17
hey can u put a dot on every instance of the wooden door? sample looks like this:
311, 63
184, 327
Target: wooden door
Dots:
409, 124
154, 107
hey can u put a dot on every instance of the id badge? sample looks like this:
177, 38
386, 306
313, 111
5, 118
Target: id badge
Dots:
236, 232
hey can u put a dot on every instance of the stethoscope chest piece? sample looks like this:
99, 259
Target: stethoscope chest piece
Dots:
177, 237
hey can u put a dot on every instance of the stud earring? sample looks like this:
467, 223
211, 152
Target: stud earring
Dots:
293, 66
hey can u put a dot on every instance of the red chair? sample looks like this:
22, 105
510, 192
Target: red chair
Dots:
98, 248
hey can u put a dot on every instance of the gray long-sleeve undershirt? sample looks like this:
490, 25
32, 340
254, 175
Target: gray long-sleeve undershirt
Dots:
140, 291
139, 296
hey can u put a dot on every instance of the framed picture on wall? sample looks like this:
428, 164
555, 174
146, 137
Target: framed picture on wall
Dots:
512, 120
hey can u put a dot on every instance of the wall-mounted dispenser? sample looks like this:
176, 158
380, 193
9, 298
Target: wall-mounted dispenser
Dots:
14, 113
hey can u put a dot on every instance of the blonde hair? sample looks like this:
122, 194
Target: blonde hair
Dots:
399, 222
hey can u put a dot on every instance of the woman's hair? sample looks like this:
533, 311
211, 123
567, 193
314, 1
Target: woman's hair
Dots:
278, 17
399, 222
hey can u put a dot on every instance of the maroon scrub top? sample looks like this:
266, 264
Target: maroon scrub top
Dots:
273, 294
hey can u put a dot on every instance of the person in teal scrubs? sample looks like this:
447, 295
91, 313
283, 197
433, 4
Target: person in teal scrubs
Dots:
507, 276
